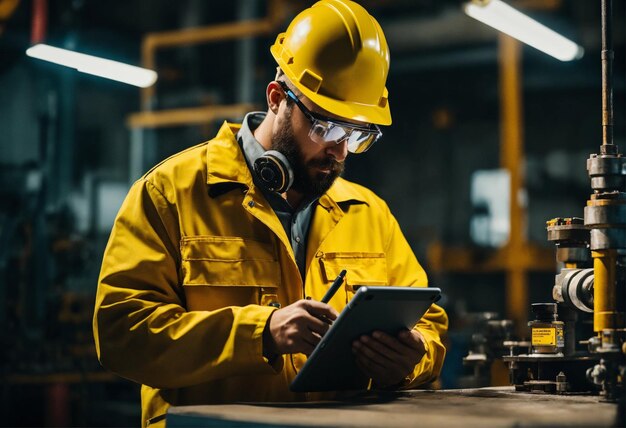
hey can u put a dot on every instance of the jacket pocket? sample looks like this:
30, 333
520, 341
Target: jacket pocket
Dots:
219, 271
362, 268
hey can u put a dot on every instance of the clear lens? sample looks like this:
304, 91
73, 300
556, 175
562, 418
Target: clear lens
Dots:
359, 141
318, 133
335, 133
358, 137
328, 133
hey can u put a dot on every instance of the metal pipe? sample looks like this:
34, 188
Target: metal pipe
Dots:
605, 313
39, 26
152, 42
511, 158
247, 10
607, 76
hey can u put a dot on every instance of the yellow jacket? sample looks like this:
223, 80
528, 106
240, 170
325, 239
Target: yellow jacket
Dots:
195, 256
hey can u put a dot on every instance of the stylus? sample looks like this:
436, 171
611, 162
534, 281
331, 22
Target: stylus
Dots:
334, 287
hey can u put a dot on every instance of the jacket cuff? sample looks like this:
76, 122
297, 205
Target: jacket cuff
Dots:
429, 367
259, 315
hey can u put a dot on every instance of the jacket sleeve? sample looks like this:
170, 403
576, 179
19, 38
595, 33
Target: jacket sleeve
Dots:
141, 327
403, 268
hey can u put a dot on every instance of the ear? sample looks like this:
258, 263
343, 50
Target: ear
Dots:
275, 95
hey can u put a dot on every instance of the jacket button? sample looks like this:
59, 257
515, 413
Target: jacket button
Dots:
251, 204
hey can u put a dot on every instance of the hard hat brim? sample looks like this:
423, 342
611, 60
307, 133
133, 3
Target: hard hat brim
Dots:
351, 111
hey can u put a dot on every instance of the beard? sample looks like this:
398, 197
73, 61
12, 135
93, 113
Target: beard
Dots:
307, 178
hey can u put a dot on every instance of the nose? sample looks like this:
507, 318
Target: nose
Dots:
339, 151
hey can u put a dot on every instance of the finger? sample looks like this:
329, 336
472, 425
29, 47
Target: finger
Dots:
298, 332
317, 325
393, 345
413, 339
312, 338
320, 310
395, 363
406, 355
367, 346
382, 350
306, 343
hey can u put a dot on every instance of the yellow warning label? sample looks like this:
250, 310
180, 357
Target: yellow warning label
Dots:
544, 337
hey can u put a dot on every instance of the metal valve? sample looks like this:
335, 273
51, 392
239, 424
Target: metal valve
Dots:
597, 374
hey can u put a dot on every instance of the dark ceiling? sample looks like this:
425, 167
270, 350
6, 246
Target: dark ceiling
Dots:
422, 34
131, 19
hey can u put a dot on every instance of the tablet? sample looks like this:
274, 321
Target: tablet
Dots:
331, 366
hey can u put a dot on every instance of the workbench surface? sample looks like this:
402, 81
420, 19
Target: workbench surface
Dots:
484, 407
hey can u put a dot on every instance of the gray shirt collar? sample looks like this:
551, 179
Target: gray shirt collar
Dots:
252, 149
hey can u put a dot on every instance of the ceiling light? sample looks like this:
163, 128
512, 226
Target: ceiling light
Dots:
503, 17
89, 64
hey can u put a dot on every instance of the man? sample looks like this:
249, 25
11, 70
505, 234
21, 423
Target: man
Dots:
211, 281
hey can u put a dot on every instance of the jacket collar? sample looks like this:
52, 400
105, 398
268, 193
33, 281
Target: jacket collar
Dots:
227, 168
226, 163
342, 191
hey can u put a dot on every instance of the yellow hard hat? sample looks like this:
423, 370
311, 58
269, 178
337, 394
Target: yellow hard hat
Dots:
336, 54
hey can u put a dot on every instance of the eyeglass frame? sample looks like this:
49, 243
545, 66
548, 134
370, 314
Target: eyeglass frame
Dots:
316, 117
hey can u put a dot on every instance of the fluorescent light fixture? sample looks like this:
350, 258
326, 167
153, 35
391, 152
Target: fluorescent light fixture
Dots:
89, 64
503, 17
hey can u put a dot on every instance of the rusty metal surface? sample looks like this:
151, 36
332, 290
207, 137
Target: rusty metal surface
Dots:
484, 407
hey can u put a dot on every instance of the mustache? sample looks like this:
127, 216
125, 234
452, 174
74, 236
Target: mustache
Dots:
326, 163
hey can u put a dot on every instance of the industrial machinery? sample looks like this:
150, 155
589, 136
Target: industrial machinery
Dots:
490, 339
592, 280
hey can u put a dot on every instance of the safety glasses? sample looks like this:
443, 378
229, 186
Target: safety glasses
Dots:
325, 131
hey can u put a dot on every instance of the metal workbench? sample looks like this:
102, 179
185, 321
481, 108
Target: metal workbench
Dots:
484, 407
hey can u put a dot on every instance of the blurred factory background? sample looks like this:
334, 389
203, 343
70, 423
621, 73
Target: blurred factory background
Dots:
477, 118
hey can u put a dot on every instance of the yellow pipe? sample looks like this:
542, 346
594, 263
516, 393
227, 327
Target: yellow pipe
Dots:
193, 36
605, 313
153, 42
511, 158
186, 116
512, 151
